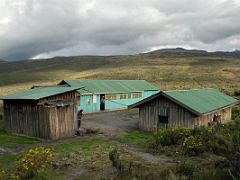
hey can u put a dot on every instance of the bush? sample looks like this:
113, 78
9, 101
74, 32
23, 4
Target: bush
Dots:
121, 166
222, 139
236, 93
186, 169
2, 174
2, 129
171, 136
33, 163
236, 113
234, 160
193, 145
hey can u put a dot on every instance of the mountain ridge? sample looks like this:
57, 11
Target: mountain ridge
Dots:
181, 51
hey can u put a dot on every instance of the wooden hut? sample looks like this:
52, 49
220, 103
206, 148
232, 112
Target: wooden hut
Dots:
100, 95
45, 112
184, 108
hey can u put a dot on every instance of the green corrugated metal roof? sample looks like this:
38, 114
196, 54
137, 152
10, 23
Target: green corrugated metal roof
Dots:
111, 86
39, 93
201, 101
198, 101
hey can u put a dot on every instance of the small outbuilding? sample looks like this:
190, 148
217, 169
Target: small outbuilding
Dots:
100, 95
45, 112
184, 108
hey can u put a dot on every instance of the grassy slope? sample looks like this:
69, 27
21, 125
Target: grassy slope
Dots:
167, 72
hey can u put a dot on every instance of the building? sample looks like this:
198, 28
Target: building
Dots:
97, 95
45, 112
184, 108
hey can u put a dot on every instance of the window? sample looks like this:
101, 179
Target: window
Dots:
137, 95
123, 96
129, 96
88, 101
162, 119
110, 97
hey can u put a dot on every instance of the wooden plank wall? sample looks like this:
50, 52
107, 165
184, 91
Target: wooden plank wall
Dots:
35, 119
27, 119
204, 120
178, 116
62, 122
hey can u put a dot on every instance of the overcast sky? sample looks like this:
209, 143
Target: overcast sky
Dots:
47, 28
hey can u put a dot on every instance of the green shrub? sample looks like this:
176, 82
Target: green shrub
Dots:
2, 129
2, 174
236, 93
234, 160
186, 169
236, 113
1, 111
171, 136
222, 139
122, 167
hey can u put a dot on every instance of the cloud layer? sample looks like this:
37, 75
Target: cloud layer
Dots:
47, 28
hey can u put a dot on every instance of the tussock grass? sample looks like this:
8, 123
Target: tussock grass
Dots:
165, 72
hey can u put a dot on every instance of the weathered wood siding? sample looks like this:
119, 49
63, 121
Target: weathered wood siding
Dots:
39, 121
69, 95
177, 116
33, 118
61, 122
225, 116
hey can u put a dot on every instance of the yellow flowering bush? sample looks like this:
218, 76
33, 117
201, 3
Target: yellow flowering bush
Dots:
210, 131
34, 162
193, 145
170, 136
2, 174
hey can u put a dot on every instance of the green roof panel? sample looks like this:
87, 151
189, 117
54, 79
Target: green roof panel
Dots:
39, 93
112, 86
201, 101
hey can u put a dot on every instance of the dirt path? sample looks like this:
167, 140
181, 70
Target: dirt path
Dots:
150, 158
112, 123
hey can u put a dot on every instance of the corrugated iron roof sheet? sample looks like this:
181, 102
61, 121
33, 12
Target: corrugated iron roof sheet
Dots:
111, 86
202, 100
198, 101
39, 93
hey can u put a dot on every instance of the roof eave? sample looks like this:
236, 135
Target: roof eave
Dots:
36, 99
215, 110
139, 103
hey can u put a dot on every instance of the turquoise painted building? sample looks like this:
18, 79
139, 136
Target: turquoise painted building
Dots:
97, 95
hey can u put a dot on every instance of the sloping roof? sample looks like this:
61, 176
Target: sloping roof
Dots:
39, 93
198, 101
111, 86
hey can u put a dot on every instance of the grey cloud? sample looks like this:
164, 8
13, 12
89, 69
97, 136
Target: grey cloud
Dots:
46, 28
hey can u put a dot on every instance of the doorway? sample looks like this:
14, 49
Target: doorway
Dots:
102, 102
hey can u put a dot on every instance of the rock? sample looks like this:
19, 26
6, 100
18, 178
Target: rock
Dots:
71, 155
4, 151
81, 131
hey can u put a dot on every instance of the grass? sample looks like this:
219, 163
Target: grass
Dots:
13, 141
172, 72
82, 145
8, 140
169, 72
135, 137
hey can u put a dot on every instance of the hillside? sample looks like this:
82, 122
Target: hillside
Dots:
166, 68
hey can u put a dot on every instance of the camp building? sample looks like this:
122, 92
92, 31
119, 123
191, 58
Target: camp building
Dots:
45, 112
184, 108
117, 94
